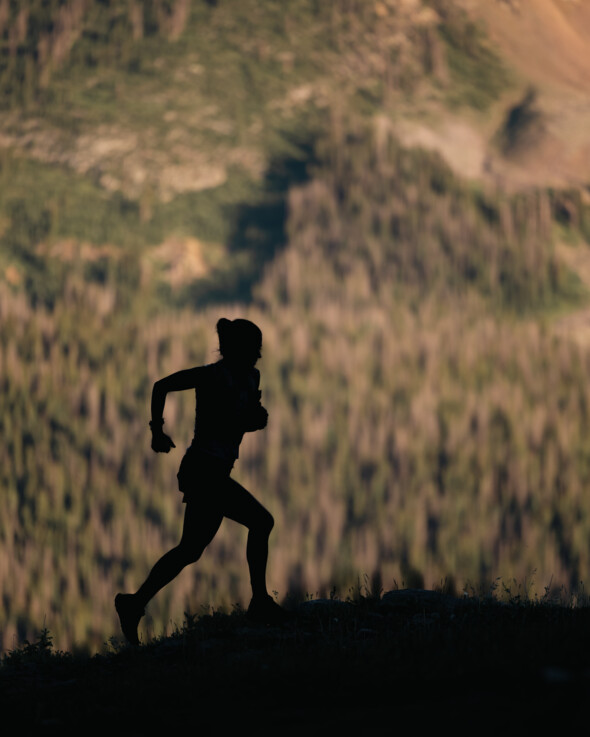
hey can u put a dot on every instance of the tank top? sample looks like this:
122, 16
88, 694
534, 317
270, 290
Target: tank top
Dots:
223, 399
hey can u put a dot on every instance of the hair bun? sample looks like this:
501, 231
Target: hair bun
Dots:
223, 325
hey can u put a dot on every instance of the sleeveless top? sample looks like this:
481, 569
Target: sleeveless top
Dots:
223, 402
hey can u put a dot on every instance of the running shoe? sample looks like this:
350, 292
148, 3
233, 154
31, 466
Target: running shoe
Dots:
129, 616
265, 610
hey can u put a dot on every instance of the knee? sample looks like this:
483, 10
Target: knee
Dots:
266, 523
189, 554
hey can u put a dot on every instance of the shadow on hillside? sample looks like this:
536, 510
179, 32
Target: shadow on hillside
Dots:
258, 229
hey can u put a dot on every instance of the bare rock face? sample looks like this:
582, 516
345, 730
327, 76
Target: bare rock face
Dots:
134, 162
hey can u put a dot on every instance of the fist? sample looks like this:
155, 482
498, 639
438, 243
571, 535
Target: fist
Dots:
161, 443
262, 417
258, 418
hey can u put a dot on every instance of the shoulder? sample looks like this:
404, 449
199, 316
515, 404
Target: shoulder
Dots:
211, 371
216, 374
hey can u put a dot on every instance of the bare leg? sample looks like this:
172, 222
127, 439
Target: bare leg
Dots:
240, 506
200, 526
201, 522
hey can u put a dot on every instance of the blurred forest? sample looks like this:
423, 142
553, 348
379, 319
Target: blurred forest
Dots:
428, 421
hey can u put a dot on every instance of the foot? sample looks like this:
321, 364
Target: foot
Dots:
129, 616
265, 610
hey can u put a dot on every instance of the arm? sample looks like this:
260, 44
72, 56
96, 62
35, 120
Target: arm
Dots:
178, 381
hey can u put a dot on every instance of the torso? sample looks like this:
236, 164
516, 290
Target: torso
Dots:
221, 396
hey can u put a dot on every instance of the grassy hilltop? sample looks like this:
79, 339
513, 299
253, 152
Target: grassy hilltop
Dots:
410, 657
364, 180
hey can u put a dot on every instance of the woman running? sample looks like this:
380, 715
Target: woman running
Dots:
228, 405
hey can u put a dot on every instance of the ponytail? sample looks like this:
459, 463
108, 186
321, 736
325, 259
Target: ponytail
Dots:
224, 330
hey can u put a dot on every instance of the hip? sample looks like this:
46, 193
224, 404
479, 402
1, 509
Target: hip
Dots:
201, 472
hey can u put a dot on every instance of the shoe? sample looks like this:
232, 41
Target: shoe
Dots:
265, 610
129, 616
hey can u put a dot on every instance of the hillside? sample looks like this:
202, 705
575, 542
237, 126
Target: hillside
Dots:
142, 126
358, 179
544, 45
409, 657
524, 31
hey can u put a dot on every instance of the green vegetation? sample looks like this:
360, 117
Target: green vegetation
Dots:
56, 224
132, 122
416, 422
147, 119
426, 420
479, 75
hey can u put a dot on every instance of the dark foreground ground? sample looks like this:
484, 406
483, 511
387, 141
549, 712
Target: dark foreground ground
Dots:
409, 662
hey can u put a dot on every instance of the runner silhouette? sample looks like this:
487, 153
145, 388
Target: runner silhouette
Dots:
228, 405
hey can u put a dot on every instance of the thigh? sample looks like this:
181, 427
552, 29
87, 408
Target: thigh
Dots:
239, 505
201, 522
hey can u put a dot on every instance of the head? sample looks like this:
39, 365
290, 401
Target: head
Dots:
240, 341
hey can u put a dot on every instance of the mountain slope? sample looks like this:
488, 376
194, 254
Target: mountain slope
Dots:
546, 42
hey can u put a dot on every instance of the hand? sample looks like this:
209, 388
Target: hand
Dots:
161, 443
257, 419
263, 417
